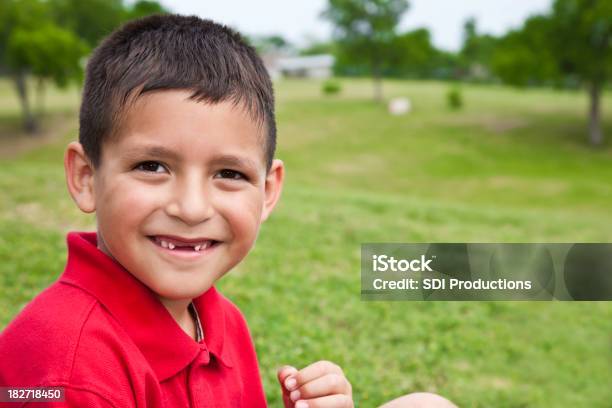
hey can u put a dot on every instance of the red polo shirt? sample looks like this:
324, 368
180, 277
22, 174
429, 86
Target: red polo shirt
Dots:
104, 336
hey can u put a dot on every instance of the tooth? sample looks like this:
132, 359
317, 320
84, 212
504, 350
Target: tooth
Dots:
170, 245
164, 244
197, 248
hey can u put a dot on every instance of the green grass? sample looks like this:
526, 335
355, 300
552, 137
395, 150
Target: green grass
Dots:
512, 166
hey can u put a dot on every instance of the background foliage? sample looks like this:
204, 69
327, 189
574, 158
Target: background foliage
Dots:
48, 40
504, 165
505, 168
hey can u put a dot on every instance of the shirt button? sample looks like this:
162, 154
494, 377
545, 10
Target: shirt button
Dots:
204, 356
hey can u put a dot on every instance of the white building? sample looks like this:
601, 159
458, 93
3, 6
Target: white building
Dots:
309, 66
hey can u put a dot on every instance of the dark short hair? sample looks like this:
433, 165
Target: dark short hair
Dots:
164, 52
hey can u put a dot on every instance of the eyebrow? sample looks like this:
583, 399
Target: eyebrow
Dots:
160, 152
234, 161
156, 152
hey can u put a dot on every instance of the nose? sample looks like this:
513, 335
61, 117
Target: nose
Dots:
191, 201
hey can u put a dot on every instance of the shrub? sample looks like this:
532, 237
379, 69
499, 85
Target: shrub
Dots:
454, 98
331, 87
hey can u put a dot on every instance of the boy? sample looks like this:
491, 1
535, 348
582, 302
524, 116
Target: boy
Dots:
175, 157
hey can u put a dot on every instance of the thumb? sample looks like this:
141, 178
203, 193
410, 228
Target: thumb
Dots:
282, 373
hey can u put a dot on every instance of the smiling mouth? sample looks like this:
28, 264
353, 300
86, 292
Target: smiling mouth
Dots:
178, 245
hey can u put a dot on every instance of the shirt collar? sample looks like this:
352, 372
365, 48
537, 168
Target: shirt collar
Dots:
161, 340
194, 314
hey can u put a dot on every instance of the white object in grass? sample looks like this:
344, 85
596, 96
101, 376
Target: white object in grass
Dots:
400, 106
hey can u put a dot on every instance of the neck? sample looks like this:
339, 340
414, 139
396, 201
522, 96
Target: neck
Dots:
179, 311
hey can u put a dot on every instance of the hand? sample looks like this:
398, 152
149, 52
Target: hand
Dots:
320, 385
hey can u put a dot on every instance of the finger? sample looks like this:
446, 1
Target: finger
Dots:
330, 401
309, 373
329, 384
283, 372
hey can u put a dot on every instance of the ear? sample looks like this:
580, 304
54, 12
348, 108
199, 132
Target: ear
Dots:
79, 177
273, 188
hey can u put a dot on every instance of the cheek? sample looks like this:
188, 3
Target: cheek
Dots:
243, 212
124, 203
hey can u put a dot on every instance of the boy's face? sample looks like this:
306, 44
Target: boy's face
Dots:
185, 174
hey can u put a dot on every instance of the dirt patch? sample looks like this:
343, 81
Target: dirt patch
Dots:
14, 141
544, 187
493, 124
499, 383
505, 125
359, 164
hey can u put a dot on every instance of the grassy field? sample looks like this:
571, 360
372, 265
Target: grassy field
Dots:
512, 166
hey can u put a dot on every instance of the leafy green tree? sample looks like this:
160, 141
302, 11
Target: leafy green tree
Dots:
365, 29
412, 54
49, 53
573, 41
446, 65
582, 42
31, 44
145, 8
524, 56
318, 47
91, 20
48, 39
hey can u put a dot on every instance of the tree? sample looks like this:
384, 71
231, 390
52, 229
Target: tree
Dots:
143, 8
31, 44
47, 40
90, 20
274, 43
365, 29
582, 42
93, 20
524, 56
412, 54
573, 41
318, 47
49, 53
477, 51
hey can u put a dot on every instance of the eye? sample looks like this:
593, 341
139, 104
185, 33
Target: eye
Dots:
151, 167
231, 174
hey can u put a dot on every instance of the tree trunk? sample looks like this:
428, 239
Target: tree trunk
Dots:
378, 91
595, 132
40, 97
29, 121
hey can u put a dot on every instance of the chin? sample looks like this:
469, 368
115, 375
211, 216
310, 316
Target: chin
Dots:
182, 292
